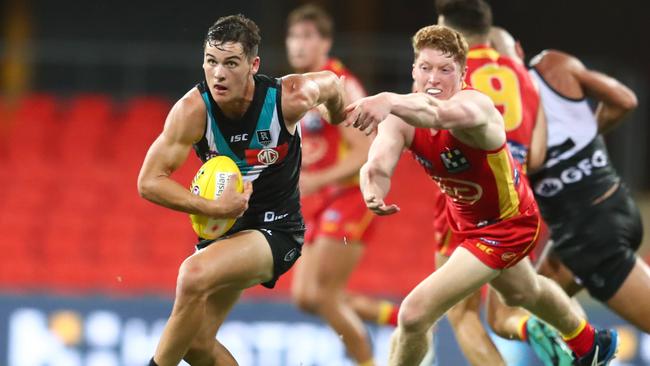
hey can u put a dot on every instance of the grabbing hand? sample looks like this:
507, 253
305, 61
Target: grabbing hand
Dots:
378, 206
231, 204
366, 113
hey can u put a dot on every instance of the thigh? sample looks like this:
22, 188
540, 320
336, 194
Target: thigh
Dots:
462, 275
551, 266
516, 280
242, 260
333, 262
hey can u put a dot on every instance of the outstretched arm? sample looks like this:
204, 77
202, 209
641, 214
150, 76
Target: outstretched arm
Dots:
465, 109
356, 143
393, 136
184, 126
302, 92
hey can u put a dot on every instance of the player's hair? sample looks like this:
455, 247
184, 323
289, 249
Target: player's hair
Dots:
237, 29
471, 17
441, 38
315, 14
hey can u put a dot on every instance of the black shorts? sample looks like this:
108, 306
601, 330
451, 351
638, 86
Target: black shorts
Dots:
599, 245
285, 237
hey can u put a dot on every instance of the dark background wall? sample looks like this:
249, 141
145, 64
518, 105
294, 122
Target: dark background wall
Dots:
133, 47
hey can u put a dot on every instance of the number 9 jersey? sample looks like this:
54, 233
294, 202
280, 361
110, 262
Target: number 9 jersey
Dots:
513, 92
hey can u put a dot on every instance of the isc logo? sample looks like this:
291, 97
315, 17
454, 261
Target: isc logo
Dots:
237, 138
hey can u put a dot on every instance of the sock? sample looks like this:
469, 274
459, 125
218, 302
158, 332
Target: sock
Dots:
522, 328
582, 339
387, 314
152, 362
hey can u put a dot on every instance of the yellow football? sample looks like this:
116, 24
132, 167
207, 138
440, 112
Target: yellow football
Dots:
210, 182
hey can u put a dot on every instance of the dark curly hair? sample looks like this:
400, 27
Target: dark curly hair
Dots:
237, 29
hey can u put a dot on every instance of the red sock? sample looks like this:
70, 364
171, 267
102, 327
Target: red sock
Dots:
523, 331
581, 340
388, 314
392, 319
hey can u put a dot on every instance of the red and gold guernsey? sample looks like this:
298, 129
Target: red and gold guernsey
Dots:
489, 206
337, 210
511, 88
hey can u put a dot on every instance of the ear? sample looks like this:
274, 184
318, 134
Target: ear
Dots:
413, 72
255, 65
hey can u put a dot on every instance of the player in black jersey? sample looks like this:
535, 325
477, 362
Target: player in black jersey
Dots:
251, 119
595, 224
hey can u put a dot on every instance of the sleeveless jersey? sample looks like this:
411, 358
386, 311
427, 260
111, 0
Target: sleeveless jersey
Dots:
577, 169
511, 89
481, 187
322, 143
264, 150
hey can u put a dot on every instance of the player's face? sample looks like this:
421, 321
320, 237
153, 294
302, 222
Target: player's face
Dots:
305, 46
437, 74
227, 70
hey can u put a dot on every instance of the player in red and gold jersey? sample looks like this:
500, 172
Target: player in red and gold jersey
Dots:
458, 136
337, 219
510, 87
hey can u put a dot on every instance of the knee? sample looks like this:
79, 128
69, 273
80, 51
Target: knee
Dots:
192, 279
523, 298
412, 317
310, 299
200, 352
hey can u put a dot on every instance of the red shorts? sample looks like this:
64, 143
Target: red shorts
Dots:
341, 214
503, 244
448, 242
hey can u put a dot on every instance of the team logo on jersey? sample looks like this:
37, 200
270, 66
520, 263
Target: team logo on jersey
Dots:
461, 191
291, 255
508, 256
264, 137
267, 156
454, 161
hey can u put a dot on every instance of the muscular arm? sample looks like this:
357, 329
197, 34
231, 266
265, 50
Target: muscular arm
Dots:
393, 136
357, 145
537, 153
615, 99
184, 126
302, 92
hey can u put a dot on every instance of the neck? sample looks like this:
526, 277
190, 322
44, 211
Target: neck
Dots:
236, 108
477, 40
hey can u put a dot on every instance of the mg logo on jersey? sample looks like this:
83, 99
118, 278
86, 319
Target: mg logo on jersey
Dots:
267, 156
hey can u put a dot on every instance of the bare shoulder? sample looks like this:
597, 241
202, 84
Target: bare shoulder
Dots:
187, 118
474, 96
550, 60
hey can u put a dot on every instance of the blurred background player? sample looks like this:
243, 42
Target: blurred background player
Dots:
507, 83
263, 113
336, 217
459, 138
